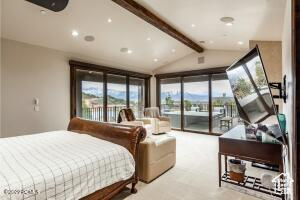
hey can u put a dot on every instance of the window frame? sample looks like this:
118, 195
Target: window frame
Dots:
77, 65
209, 72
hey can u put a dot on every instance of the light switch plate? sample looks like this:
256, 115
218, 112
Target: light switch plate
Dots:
37, 108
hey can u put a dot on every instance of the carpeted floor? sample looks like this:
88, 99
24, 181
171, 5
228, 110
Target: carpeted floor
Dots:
195, 175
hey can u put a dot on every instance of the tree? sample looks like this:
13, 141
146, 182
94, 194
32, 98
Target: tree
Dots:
260, 76
242, 88
218, 102
169, 101
187, 105
85, 111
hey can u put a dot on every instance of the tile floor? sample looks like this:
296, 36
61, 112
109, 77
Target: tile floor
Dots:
195, 175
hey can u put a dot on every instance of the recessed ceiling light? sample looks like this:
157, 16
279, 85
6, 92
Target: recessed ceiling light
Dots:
109, 20
43, 12
173, 50
75, 33
155, 60
240, 42
193, 25
89, 38
148, 39
211, 42
124, 50
227, 20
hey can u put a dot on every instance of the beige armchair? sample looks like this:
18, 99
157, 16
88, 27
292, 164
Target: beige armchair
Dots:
159, 124
126, 117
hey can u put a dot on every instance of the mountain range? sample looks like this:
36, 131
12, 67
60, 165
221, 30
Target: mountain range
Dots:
176, 96
111, 92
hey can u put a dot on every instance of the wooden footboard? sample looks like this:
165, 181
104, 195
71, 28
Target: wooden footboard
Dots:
126, 136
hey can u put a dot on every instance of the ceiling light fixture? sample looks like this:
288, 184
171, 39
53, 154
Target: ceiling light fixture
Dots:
148, 39
155, 60
211, 42
193, 25
173, 50
124, 50
240, 42
43, 12
89, 38
75, 33
109, 20
227, 20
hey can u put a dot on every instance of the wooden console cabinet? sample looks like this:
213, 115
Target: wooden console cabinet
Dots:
235, 144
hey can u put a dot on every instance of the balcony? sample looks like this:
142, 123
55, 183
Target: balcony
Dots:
97, 113
196, 118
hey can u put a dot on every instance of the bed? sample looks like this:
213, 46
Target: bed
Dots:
91, 160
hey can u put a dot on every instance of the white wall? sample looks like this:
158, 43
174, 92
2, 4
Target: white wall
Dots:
153, 92
212, 58
287, 69
30, 72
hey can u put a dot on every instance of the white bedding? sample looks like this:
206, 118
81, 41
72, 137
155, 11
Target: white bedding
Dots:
60, 165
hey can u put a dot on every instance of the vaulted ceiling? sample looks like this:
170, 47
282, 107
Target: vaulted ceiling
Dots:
151, 48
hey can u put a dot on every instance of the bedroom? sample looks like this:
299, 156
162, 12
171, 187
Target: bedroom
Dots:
94, 58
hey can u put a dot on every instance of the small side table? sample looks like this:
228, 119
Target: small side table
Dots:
235, 144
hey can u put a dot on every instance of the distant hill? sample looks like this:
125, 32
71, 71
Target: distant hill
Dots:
111, 100
187, 96
94, 91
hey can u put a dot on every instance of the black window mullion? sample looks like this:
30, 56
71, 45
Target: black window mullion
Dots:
182, 104
210, 104
127, 92
105, 97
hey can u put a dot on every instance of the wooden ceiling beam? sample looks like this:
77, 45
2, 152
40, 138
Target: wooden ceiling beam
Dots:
151, 18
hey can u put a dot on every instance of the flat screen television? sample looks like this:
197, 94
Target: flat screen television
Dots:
250, 87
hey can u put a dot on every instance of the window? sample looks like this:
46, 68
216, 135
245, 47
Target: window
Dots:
99, 93
116, 96
170, 98
137, 96
89, 95
198, 101
223, 104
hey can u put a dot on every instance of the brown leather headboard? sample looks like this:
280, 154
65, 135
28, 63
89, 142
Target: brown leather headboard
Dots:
126, 136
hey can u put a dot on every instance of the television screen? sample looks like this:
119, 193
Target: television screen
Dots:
250, 87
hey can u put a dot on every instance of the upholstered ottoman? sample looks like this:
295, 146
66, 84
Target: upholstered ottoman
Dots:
157, 155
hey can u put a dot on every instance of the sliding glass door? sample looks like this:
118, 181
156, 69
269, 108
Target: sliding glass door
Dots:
89, 95
196, 103
224, 110
170, 98
99, 93
137, 96
116, 96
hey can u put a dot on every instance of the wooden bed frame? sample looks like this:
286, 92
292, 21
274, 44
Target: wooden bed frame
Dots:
126, 136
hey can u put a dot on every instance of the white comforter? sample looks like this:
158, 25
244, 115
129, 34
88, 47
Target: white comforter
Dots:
60, 165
